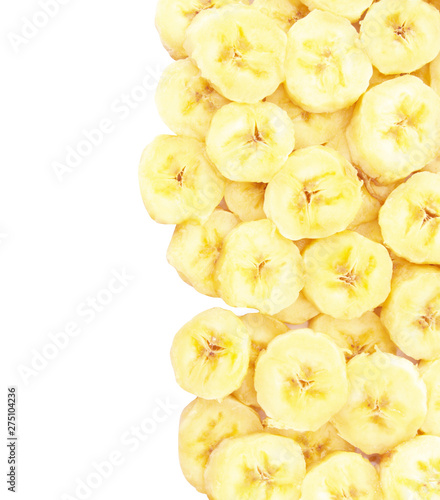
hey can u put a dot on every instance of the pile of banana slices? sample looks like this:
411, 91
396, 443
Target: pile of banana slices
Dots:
304, 183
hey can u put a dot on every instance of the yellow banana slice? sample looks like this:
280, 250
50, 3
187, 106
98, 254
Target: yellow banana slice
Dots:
395, 129
351, 9
210, 354
410, 219
311, 129
412, 312
186, 101
177, 180
347, 274
355, 336
301, 380
401, 37
342, 475
387, 403
246, 200
299, 312
262, 329
430, 371
368, 211
325, 68
284, 12
257, 467
250, 142
316, 445
434, 73
203, 425
239, 50
195, 248
412, 470
259, 268
316, 194
173, 18
372, 231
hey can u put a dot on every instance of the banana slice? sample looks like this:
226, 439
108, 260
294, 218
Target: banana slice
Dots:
412, 312
195, 248
210, 354
186, 101
246, 200
311, 129
395, 129
239, 50
410, 219
347, 275
377, 190
434, 73
177, 180
257, 467
412, 470
343, 475
284, 12
401, 37
205, 424
250, 142
301, 380
262, 329
433, 166
325, 68
351, 9
316, 194
299, 312
369, 210
430, 371
386, 405
258, 268
355, 336
316, 445
173, 18
372, 231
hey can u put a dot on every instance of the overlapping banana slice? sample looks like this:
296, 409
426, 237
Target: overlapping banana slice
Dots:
351, 9
173, 18
434, 73
246, 200
342, 475
372, 231
401, 37
316, 194
430, 371
355, 336
395, 129
311, 129
410, 219
316, 445
195, 248
284, 12
412, 470
326, 70
257, 467
412, 311
259, 268
262, 329
186, 101
301, 380
387, 403
205, 424
177, 180
368, 211
239, 50
210, 354
299, 312
347, 274
250, 142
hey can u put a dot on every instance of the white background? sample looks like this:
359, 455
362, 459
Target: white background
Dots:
62, 237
